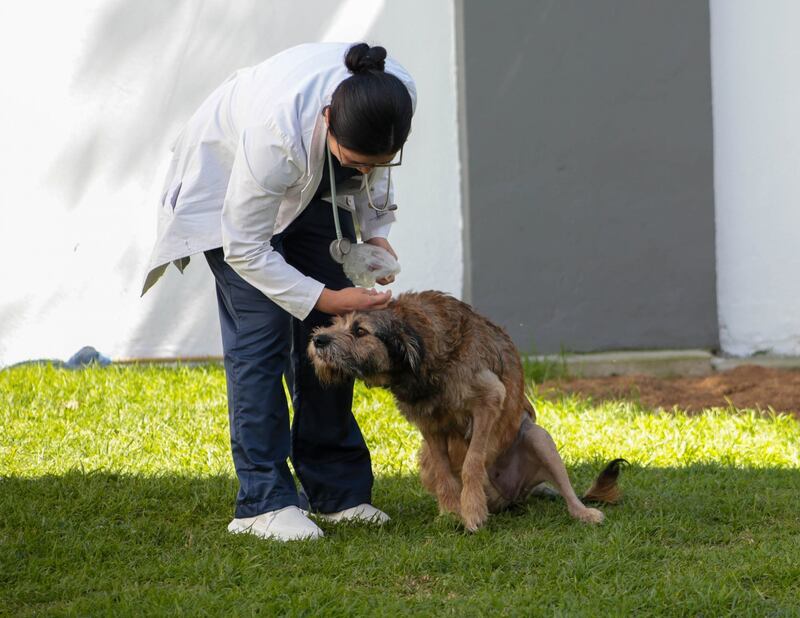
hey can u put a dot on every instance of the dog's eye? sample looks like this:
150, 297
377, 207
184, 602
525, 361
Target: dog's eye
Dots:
360, 332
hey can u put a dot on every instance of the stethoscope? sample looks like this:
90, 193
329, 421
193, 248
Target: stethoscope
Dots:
341, 246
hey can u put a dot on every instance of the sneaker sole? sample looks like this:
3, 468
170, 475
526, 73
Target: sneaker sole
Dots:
236, 528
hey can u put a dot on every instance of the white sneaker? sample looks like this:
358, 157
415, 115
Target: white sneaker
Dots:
361, 513
286, 524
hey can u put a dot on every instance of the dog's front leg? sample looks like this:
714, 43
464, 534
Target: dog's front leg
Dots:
474, 507
437, 474
486, 407
545, 450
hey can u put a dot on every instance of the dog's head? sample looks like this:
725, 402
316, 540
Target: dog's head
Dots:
375, 346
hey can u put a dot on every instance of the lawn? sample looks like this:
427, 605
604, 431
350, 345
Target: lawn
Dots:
116, 486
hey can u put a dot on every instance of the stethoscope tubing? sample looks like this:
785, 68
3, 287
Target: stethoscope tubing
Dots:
341, 246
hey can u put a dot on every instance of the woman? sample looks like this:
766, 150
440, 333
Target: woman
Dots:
245, 187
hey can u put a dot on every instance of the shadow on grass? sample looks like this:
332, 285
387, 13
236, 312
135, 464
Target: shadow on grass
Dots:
96, 542
127, 506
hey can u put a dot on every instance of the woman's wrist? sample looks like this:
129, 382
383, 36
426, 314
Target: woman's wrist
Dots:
379, 241
336, 302
326, 301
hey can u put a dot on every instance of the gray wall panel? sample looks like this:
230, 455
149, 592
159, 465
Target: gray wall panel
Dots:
590, 190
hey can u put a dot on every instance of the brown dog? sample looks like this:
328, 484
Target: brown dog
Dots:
459, 378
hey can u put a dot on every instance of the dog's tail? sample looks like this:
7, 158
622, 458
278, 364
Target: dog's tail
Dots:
605, 488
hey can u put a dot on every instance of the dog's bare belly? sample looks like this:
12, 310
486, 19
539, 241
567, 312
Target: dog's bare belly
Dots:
509, 477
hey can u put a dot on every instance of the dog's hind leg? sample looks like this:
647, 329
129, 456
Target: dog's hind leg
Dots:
545, 450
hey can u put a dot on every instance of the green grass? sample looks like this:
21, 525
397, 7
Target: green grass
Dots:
538, 370
116, 486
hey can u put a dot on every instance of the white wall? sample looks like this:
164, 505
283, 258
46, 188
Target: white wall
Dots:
93, 92
756, 90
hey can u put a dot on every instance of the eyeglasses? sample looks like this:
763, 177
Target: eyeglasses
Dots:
357, 164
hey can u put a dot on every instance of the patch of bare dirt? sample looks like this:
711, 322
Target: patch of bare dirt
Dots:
748, 386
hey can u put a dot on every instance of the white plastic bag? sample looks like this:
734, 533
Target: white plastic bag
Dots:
366, 263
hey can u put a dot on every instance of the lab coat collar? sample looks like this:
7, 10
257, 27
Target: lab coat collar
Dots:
315, 150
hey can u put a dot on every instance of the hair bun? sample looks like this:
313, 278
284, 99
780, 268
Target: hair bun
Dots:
361, 58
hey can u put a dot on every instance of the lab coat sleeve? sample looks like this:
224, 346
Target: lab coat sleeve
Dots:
375, 224
263, 170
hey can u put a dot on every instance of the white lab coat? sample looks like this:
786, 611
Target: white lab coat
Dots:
249, 161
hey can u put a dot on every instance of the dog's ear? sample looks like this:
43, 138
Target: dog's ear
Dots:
413, 348
403, 343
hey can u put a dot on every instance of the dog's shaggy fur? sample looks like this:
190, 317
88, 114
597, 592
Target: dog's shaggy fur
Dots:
459, 378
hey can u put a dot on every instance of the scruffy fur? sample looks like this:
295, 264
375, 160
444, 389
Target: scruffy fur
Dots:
459, 379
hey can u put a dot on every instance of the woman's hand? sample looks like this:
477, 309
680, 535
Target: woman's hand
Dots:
337, 302
383, 244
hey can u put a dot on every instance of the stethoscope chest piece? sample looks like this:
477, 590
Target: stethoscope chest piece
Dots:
340, 248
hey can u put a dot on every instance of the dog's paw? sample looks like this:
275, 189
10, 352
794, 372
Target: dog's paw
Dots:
474, 511
473, 521
589, 516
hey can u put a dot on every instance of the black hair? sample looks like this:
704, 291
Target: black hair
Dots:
370, 111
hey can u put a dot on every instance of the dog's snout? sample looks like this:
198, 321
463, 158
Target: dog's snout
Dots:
321, 341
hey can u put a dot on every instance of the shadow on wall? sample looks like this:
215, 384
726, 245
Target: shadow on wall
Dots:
178, 52
144, 70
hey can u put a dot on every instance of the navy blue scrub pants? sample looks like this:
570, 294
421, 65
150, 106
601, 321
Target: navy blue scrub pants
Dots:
262, 343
